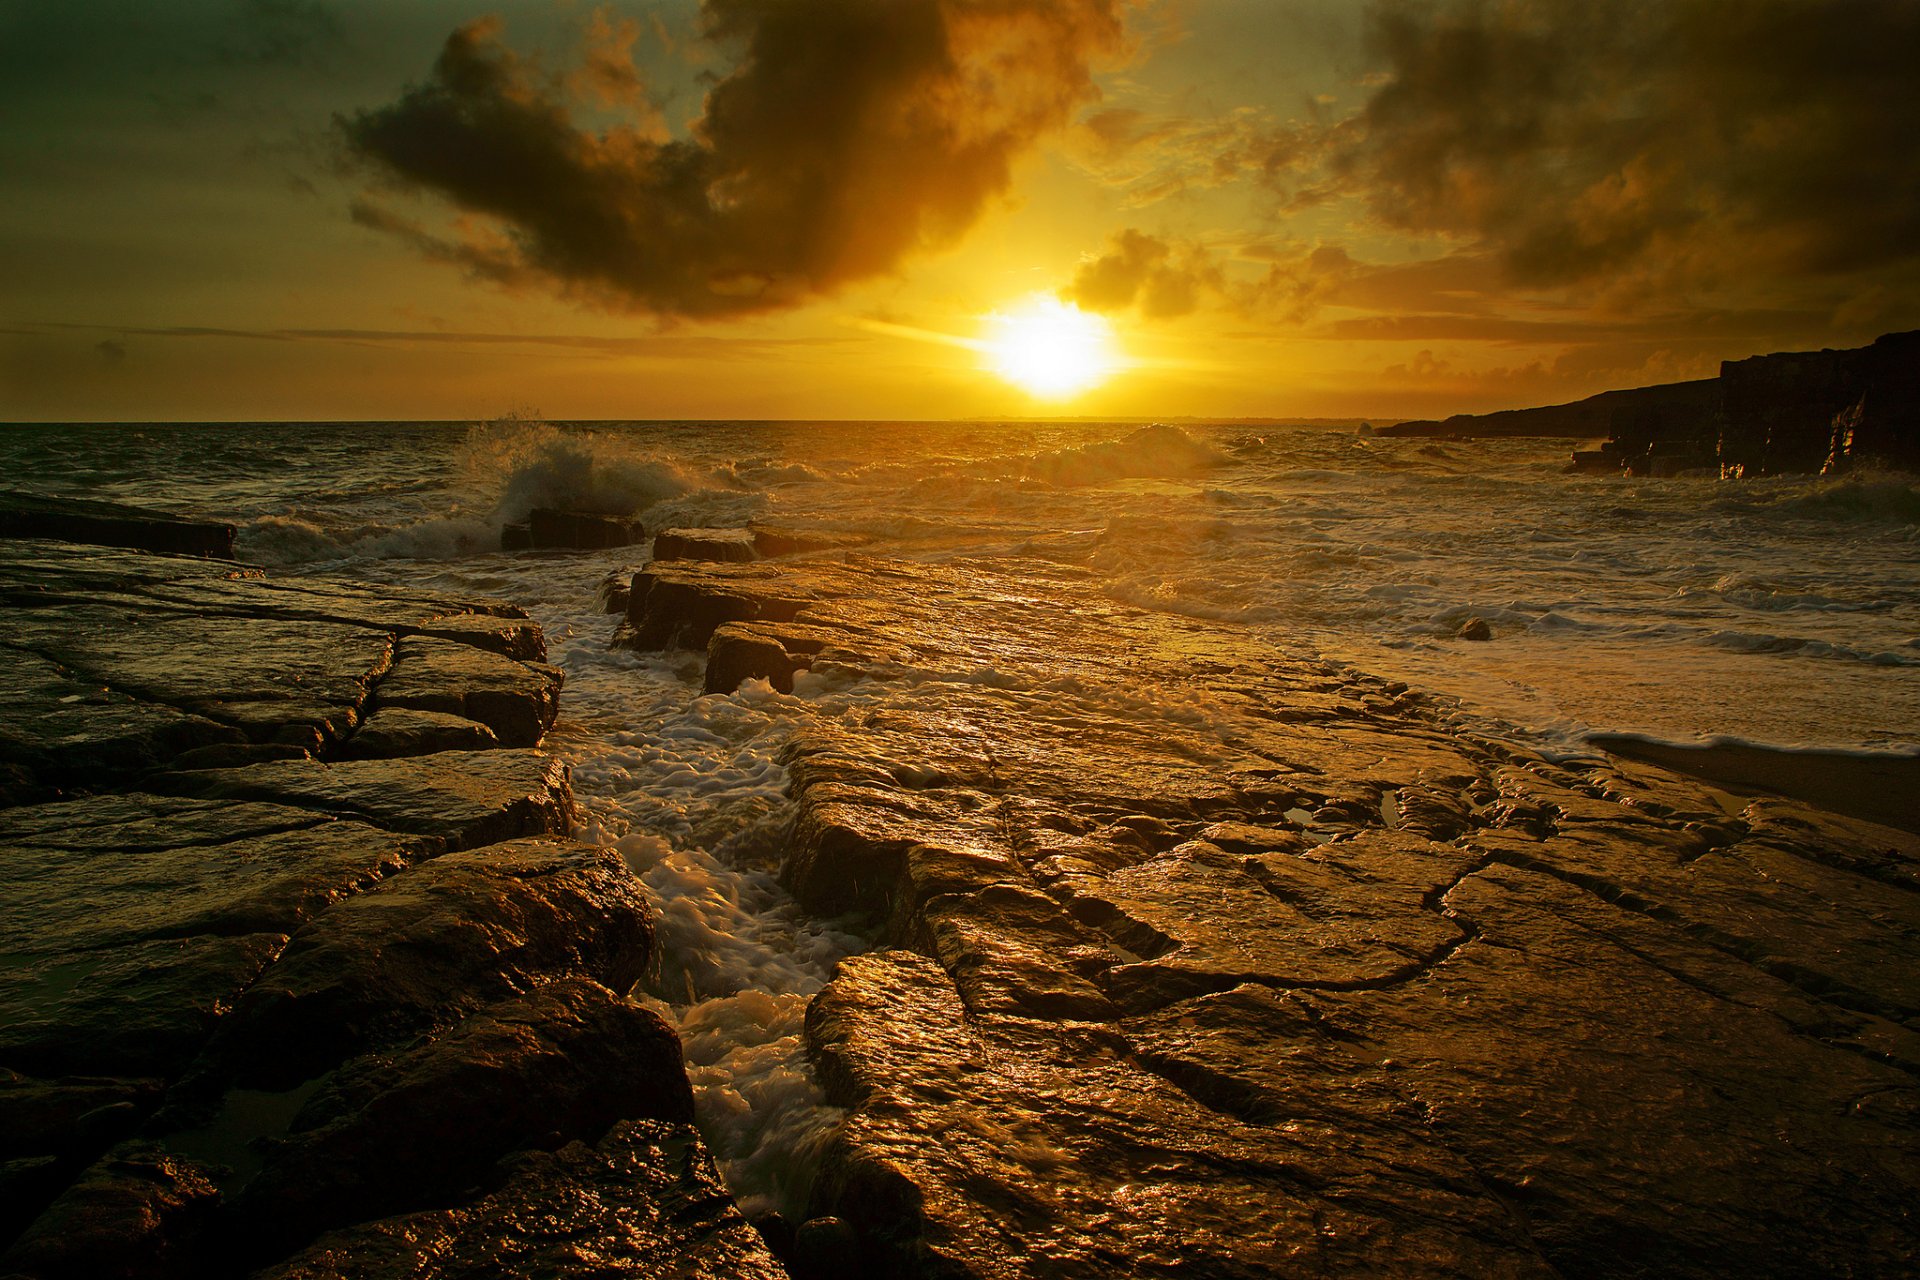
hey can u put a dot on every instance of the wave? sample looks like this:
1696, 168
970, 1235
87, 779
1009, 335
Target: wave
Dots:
518, 464
1888, 497
1157, 452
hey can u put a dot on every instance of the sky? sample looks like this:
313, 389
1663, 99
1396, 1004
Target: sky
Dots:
784, 209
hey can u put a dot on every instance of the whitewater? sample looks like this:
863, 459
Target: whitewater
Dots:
1782, 612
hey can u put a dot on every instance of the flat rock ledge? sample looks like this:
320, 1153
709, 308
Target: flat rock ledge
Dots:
1200, 961
303, 972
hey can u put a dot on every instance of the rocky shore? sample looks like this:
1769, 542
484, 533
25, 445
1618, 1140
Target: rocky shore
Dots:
303, 973
1191, 958
1198, 961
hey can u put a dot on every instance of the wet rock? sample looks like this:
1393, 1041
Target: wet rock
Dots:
395, 731
669, 609
547, 528
517, 701
139, 1214
55, 1129
417, 952
720, 545
824, 1248
296, 682
122, 664
645, 1201
1302, 978
132, 944
66, 730
422, 1126
1034, 1150
1474, 629
615, 589
737, 654
142, 1008
461, 799
111, 524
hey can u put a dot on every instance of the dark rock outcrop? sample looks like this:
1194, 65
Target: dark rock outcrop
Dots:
548, 529
1793, 411
1670, 409
411, 1128
1809, 411
644, 1201
111, 524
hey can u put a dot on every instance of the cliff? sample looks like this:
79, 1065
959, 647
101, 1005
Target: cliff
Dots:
1792, 411
1822, 410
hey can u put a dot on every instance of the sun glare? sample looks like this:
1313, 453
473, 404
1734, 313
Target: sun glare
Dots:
1050, 348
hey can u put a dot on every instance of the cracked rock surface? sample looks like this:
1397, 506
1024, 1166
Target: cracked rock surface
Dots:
1203, 960
298, 946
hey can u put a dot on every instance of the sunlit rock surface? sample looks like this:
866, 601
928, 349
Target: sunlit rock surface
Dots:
1203, 960
297, 940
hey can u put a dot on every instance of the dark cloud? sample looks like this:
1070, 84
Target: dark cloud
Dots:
1162, 279
1693, 139
849, 134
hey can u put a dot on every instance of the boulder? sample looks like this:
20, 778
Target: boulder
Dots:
547, 528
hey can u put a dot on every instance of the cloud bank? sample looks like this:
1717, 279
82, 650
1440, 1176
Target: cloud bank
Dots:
1611, 158
849, 135
1698, 136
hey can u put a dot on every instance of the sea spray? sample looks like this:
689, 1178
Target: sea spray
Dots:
517, 463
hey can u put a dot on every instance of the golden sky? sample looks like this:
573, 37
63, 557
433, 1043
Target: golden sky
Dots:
318, 209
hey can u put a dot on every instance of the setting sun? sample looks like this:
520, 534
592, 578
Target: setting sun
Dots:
1051, 348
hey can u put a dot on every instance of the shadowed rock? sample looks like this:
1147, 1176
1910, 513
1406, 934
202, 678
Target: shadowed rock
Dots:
141, 1212
120, 664
420, 1126
250, 995
644, 1201
516, 701
419, 951
547, 528
111, 524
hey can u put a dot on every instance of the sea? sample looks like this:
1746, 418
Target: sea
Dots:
1781, 612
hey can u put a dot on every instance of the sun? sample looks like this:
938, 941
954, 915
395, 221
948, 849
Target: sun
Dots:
1049, 348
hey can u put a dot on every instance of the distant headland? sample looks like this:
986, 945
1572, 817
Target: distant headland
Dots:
1792, 411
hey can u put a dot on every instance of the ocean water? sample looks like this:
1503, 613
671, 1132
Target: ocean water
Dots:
1782, 611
